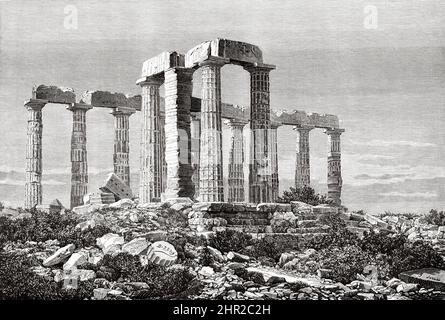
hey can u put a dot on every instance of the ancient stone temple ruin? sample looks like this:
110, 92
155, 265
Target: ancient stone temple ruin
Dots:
181, 142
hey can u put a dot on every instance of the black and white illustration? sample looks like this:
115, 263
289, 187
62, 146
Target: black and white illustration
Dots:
222, 150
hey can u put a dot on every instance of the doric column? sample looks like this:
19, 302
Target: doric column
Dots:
196, 141
122, 142
178, 93
151, 153
33, 185
211, 187
236, 161
260, 179
302, 162
334, 165
79, 164
164, 163
274, 159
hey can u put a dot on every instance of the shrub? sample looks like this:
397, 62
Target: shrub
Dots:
338, 235
230, 240
267, 247
42, 226
18, 282
414, 255
435, 217
162, 281
345, 262
305, 194
375, 243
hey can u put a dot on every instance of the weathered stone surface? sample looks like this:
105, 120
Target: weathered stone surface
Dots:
237, 257
206, 271
237, 52
77, 259
123, 203
55, 94
136, 246
117, 187
302, 164
108, 240
100, 293
427, 278
161, 63
162, 253
59, 256
104, 99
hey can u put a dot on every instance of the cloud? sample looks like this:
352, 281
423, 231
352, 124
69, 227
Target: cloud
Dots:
425, 195
386, 176
394, 143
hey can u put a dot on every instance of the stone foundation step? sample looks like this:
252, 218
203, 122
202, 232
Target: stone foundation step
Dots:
290, 236
358, 230
322, 229
307, 223
306, 216
240, 215
247, 222
247, 228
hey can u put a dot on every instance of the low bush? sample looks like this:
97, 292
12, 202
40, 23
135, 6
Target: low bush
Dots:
42, 226
338, 235
161, 281
435, 217
267, 247
305, 194
18, 282
230, 240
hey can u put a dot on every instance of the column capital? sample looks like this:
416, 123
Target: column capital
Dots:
156, 80
79, 106
334, 131
214, 61
259, 67
236, 122
303, 127
122, 111
35, 104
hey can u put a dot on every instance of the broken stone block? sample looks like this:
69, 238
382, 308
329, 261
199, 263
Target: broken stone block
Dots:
162, 253
117, 187
77, 259
428, 278
55, 94
109, 239
123, 203
136, 246
59, 256
100, 293
99, 198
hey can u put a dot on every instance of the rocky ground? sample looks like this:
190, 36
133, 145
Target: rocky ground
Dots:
136, 231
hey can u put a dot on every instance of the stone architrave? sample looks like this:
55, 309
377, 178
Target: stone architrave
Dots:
178, 92
236, 161
33, 185
196, 141
122, 142
151, 154
79, 163
334, 165
302, 162
274, 159
211, 187
260, 175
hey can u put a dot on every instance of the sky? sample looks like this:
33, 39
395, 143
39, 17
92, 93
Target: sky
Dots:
378, 65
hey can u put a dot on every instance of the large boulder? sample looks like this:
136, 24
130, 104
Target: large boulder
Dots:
136, 246
59, 256
110, 243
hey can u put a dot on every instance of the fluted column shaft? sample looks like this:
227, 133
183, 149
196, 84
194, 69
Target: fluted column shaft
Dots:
334, 165
33, 185
260, 179
79, 163
151, 153
164, 163
121, 154
196, 141
178, 93
274, 160
302, 163
211, 187
236, 161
